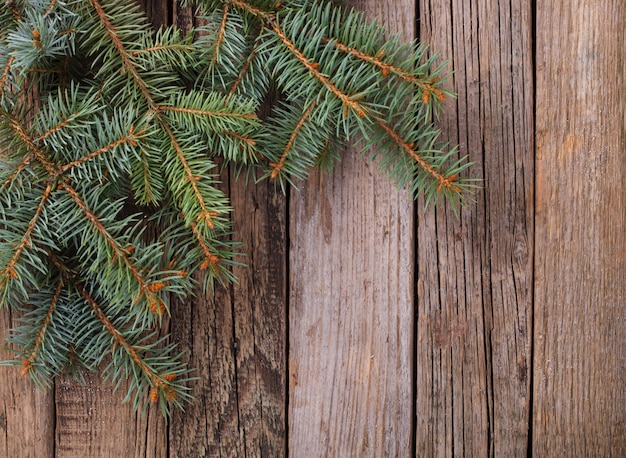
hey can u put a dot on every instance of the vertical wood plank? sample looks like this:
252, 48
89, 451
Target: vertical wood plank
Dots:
475, 273
236, 338
351, 305
580, 329
26, 414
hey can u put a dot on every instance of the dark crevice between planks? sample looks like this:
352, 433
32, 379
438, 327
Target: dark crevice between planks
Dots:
287, 315
531, 369
234, 347
415, 292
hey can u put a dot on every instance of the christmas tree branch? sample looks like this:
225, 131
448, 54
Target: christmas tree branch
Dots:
21, 166
220, 35
248, 8
446, 182
210, 260
28, 362
205, 214
428, 87
199, 112
129, 138
147, 289
276, 167
39, 154
9, 270
5, 74
128, 64
348, 101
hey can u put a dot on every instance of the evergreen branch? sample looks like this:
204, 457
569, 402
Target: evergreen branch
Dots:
9, 270
446, 182
147, 178
205, 215
130, 138
160, 48
117, 336
348, 101
49, 8
192, 111
242, 73
5, 74
30, 145
28, 362
129, 66
220, 34
243, 138
21, 166
46, 70
296, 131
250, 9
159, 383
210, 260
428, 87
147, 289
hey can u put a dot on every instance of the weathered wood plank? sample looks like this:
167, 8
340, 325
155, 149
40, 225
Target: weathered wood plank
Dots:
475, 273
580, 287
236, 340
351, 304
92, 421
237, 337
26, 414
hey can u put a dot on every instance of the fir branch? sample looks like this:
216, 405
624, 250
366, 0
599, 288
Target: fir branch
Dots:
277, 167
50, 7
130, 138
210, 260
21, 166
197, 112
349, 101
39, 154
244, 70
248, 8
205, 214
128, 64
220, 35
28, 362
146, 288
9, 271
5, 74
428, 87
117, 336
444, 182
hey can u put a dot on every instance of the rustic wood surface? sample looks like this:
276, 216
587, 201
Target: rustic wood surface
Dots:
580, 288
474, 273
26, 414
351, 304
364, 326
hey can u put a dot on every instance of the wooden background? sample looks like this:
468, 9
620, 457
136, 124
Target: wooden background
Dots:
364, 326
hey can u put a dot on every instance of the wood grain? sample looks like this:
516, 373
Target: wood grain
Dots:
92, 421
237, 337
580, 329
474, 273
26, 414
236, 340
351, 305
